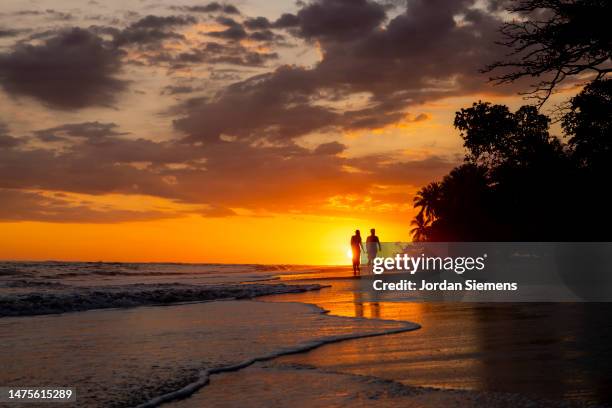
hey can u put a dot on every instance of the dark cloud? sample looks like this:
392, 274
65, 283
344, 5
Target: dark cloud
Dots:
264, 111
287, 20
227, 21
86, 130
213, 7
336, 19
8, 33
236, 31
158, 22
421, 55
53, 14
214, 177
247, 137
6, 140
73, 69
265, 36
18, 205
178, 89
257, 23
233, 33
218, 53
140, 37
149, 31
330, 148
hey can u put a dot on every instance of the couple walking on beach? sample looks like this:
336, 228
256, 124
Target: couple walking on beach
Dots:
372, 248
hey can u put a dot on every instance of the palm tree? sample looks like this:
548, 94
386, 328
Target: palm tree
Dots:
419, 231
428, 198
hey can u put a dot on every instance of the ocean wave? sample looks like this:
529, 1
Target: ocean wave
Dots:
77, 299
204, 376
127, 357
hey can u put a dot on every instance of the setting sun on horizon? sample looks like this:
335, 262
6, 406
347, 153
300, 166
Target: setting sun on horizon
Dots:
306, 240
252, 151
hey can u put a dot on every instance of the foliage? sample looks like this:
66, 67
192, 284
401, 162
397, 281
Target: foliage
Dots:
519, 183
555, 39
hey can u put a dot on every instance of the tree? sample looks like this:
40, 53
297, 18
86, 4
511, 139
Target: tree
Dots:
450, 210
512, 187
428, 198
555, 39
494, 137
588, 123
420, 228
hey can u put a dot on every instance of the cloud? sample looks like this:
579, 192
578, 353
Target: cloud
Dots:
97, 158
216, 53
330, 148
338, 19
20, 205
264, 107
72, 69
149, 31
242, 145
86, 130
157, 22
257, 23
6, 140
50, 13
4, 33
265, 36
287, 20
213, 7
422, 54
233, 33
178, 89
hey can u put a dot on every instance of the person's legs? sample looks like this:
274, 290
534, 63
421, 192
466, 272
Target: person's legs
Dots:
371, 256
356, 261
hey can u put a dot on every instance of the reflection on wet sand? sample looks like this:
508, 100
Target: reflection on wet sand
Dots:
557, 351
360, 306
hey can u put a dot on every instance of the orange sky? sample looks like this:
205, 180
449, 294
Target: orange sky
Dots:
281, 239
243, 238
147, 149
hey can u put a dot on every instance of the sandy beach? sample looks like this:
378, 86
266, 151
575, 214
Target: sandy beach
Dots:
324, 346
305, 203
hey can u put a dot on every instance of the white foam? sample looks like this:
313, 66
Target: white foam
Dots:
130, 356
204, 378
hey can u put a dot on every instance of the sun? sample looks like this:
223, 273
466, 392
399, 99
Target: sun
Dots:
349, 253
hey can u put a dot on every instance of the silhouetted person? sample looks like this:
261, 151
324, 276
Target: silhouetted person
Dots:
372, 246
356, 247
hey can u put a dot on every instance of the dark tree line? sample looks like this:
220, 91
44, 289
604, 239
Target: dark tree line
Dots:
518, 182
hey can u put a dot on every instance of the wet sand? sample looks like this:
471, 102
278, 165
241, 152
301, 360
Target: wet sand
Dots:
275, 385
127, 357
552, 351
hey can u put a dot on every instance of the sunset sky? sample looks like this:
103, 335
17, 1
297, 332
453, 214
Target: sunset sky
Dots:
257, 131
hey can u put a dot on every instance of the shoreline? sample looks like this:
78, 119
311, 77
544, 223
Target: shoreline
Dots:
205, 375
81, 299
377, 359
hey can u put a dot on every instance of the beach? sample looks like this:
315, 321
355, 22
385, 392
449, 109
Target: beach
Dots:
323, 344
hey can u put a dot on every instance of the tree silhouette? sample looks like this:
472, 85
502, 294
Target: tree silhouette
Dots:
589, 122
427, 198
420, 226
518, 182
555, 39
